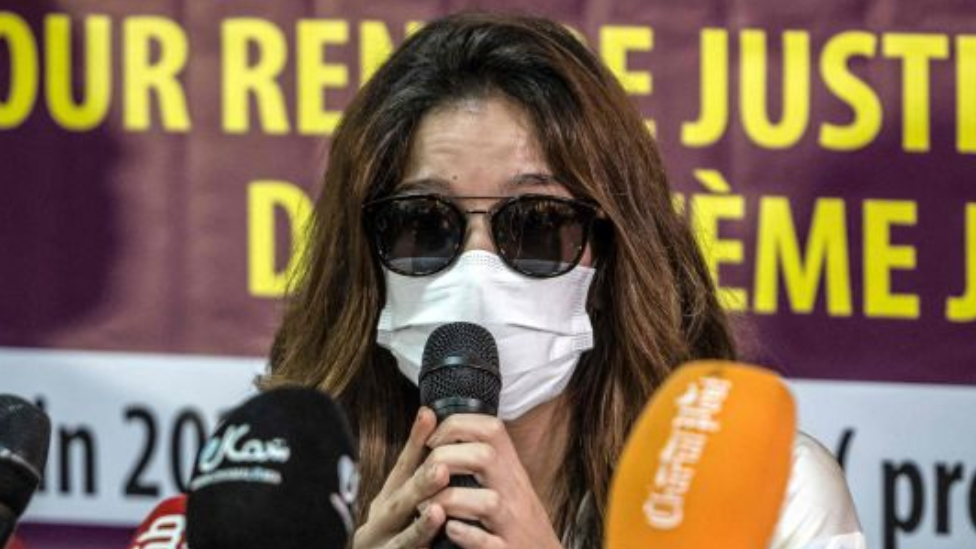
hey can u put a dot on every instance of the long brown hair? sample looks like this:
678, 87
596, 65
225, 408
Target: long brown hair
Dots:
652, 303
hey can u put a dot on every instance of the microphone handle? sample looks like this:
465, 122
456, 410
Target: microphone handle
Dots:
441, 541
444, 408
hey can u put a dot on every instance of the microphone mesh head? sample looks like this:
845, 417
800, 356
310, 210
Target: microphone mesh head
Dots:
25, 435
279, 472
460, 360
25, 430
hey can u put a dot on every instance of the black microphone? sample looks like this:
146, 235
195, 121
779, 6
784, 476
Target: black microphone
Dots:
25, 435
281, 471
459, 375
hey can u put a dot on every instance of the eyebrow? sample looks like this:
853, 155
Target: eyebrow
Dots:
424, 184
441, 185
534, 178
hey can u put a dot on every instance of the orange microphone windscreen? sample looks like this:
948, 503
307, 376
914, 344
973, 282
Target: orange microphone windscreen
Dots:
706, 464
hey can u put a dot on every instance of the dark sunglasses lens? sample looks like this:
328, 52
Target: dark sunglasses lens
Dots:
541, 236
417, 236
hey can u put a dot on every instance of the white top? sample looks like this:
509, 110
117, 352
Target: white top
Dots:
818, 511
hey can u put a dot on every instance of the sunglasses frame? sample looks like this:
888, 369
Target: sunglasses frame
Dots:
589, 212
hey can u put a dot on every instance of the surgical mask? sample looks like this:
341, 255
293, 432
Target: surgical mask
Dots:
540, 325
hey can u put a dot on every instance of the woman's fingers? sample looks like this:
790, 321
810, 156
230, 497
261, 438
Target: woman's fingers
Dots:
467, 458
464, 444
481, 504
389, 524
470, 428
421, 532
426, 481
472, 537
413, 452
406, 486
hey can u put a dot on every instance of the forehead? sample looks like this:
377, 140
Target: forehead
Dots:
476, 146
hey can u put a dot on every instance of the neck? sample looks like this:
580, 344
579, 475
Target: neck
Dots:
539, 438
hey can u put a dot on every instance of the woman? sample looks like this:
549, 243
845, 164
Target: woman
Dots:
494, 171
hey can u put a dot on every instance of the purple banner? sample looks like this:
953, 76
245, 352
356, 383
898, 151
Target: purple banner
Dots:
157, 157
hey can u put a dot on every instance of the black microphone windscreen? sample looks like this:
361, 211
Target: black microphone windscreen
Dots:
279, 472
25, 435
460, 360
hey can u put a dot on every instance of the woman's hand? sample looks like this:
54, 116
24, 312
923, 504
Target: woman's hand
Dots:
390, 523
506, 504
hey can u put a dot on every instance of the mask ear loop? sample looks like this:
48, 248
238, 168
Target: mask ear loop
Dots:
601, 244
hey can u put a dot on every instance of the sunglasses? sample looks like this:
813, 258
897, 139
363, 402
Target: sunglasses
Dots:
538, 235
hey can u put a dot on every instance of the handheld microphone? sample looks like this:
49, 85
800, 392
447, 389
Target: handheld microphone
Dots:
459, 375
281, 471
707, 463
164, 527
25, 435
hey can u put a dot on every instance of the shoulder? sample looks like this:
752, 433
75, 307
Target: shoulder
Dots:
818, 509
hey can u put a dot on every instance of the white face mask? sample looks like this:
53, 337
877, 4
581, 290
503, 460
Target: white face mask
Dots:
540, 324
